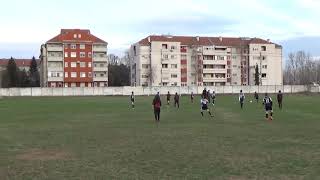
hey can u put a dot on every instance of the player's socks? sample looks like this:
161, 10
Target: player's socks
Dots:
202, 114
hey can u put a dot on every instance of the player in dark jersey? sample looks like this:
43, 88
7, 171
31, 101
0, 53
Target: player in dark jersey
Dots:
205, 106
204, 93
209, 96
177, 100
280, 98
241, 99
156, 103
132, 98
267, 102
192, 97
168, 98
213, 97
256, 96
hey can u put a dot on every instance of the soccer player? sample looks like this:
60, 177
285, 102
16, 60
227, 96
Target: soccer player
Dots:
256, 96
213, 97
267, 102
168, 98
204, 93
132, 100
176, 100
157, 107
209, 96
279, 98
241, 99
204, 106
192, 97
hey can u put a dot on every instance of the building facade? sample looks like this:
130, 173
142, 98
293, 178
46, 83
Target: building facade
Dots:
204, 61
74, 58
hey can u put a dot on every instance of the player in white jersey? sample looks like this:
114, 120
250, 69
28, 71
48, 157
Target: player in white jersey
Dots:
205, 106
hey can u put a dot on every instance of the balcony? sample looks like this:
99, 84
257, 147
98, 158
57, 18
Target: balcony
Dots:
165, 78
100, 59
208, 52
55, 59
55, 79
99, 48
211, 62
55, 48
214, 71
58, 69
105, 78
214, 79
184, 71
105, 68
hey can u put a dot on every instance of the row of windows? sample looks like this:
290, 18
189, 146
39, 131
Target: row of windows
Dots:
81, 54
74, 46
78, 64
76, 75
173, 66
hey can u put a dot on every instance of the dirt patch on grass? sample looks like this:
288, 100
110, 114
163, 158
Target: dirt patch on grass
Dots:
43, 155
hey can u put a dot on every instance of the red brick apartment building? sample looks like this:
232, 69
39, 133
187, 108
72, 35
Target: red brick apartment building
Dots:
74, 58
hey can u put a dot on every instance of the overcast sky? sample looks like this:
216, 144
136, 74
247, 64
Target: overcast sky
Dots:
26, 24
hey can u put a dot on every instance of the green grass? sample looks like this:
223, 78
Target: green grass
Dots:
102, 138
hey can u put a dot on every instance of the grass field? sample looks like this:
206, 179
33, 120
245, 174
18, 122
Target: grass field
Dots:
102, 138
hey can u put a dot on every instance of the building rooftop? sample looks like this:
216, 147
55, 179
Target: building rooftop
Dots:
72, 35
205, 41
19, 62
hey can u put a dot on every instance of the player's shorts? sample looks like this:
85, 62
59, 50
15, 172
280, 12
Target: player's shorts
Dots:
268, 109
205, 108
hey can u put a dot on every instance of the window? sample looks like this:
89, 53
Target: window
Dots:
145, 76
75, 36
264, 66
234, 57
82, 74
73, 74
66, 64
73, 64
234, 74
101, 75
184, 57
66, 74
174, 75
173, 47
89, 54
166, 56
145, 66
164, 65
220, 57
82, 46
234, 66
73, 46
164, 46
264, 75
66, 54
263, 48
66, 46
173, 56
174, 66
79, 36
82, 54
73, 54
255, 49
101, 65
82, 64
264, 57
90, 74
89, 64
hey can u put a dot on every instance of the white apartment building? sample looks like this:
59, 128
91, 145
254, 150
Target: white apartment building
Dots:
204, 61
74, 58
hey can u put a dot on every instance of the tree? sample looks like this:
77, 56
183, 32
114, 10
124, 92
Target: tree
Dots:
12, 74
34, 75
257, 76
118, 75
24, 80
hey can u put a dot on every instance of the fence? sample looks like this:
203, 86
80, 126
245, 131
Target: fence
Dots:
124, 91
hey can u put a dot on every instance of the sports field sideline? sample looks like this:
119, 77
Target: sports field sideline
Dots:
103, 138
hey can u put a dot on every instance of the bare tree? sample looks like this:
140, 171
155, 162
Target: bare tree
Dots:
301, 68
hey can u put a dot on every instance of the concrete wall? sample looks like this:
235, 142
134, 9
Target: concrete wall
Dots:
126, 91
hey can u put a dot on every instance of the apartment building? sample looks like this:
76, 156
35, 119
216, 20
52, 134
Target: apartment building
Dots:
204, 61
74, 58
